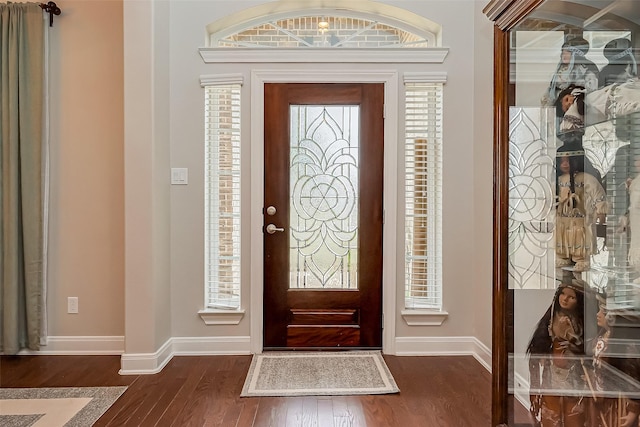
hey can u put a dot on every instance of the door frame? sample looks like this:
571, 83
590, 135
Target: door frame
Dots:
325, 73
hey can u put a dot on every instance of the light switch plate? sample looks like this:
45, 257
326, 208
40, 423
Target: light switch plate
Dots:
179, 176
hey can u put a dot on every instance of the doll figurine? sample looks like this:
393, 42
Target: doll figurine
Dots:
618, 104
607, 411
553, 363
622, 64
613, 102
570, 108
581, 204
573, 68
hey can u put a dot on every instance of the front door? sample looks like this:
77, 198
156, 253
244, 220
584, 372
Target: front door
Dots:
323, 215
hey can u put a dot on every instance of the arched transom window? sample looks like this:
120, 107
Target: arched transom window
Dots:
323, 31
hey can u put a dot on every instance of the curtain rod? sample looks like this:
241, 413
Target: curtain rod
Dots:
52, 9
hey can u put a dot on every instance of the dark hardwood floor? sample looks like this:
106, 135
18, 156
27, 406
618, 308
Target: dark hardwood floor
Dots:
204, 391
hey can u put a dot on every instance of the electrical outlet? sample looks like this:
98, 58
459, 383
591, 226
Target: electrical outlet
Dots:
72, 305
179, 176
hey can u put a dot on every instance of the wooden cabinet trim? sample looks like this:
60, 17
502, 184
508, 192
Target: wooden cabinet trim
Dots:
508, 13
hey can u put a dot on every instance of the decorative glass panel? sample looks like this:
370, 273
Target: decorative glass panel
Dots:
531, 200
324, 192
320, 31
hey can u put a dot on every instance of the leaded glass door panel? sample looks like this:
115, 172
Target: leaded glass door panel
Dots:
323, 215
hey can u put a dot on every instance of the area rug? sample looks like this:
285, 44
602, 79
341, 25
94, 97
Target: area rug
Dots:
318, 374
55, 407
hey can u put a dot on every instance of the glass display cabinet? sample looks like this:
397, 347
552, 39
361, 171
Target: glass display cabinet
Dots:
566, 325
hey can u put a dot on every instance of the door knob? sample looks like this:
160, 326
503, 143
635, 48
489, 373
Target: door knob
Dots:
271, 228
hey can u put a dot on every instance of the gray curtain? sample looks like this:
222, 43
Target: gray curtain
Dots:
21, 171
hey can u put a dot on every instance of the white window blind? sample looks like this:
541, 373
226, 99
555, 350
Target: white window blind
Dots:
222, 196
423, 194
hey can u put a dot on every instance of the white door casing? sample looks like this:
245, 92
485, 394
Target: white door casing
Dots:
325, 73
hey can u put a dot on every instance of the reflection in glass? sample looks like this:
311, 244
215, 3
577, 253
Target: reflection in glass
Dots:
531, 196
324, 196
574, 228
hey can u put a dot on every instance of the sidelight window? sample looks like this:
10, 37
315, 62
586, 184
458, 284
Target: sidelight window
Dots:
222, 195
423, 192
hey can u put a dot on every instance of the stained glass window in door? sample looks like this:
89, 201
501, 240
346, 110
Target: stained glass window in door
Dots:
324, 196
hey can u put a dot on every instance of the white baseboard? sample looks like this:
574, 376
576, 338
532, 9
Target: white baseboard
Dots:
79, 345
151, 363
196, 346
444, 346
146, 363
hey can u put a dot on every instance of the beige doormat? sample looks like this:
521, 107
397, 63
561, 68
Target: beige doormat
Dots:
55, 407
318, 374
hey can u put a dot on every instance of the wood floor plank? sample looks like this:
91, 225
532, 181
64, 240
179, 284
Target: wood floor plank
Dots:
309, 412
272, 412
377, 410
167, 389
199, 403
356, 410
205, 390
16, 370
325, 412
224, 389
129, 411
295, 412
342, 415
249, 411
175, 413
243, 408
232, 410
152, 394
419, 384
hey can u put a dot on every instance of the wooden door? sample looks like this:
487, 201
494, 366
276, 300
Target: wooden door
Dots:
323, 215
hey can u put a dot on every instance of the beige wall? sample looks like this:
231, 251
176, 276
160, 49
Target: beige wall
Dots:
483, 176
164, 122
86, 239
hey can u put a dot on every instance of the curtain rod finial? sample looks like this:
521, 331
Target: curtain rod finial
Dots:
52, 9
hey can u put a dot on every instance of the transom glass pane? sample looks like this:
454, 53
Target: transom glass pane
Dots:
321, 31
324, 198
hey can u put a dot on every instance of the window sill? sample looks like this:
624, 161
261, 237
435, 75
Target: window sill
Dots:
221, 317
424, 317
